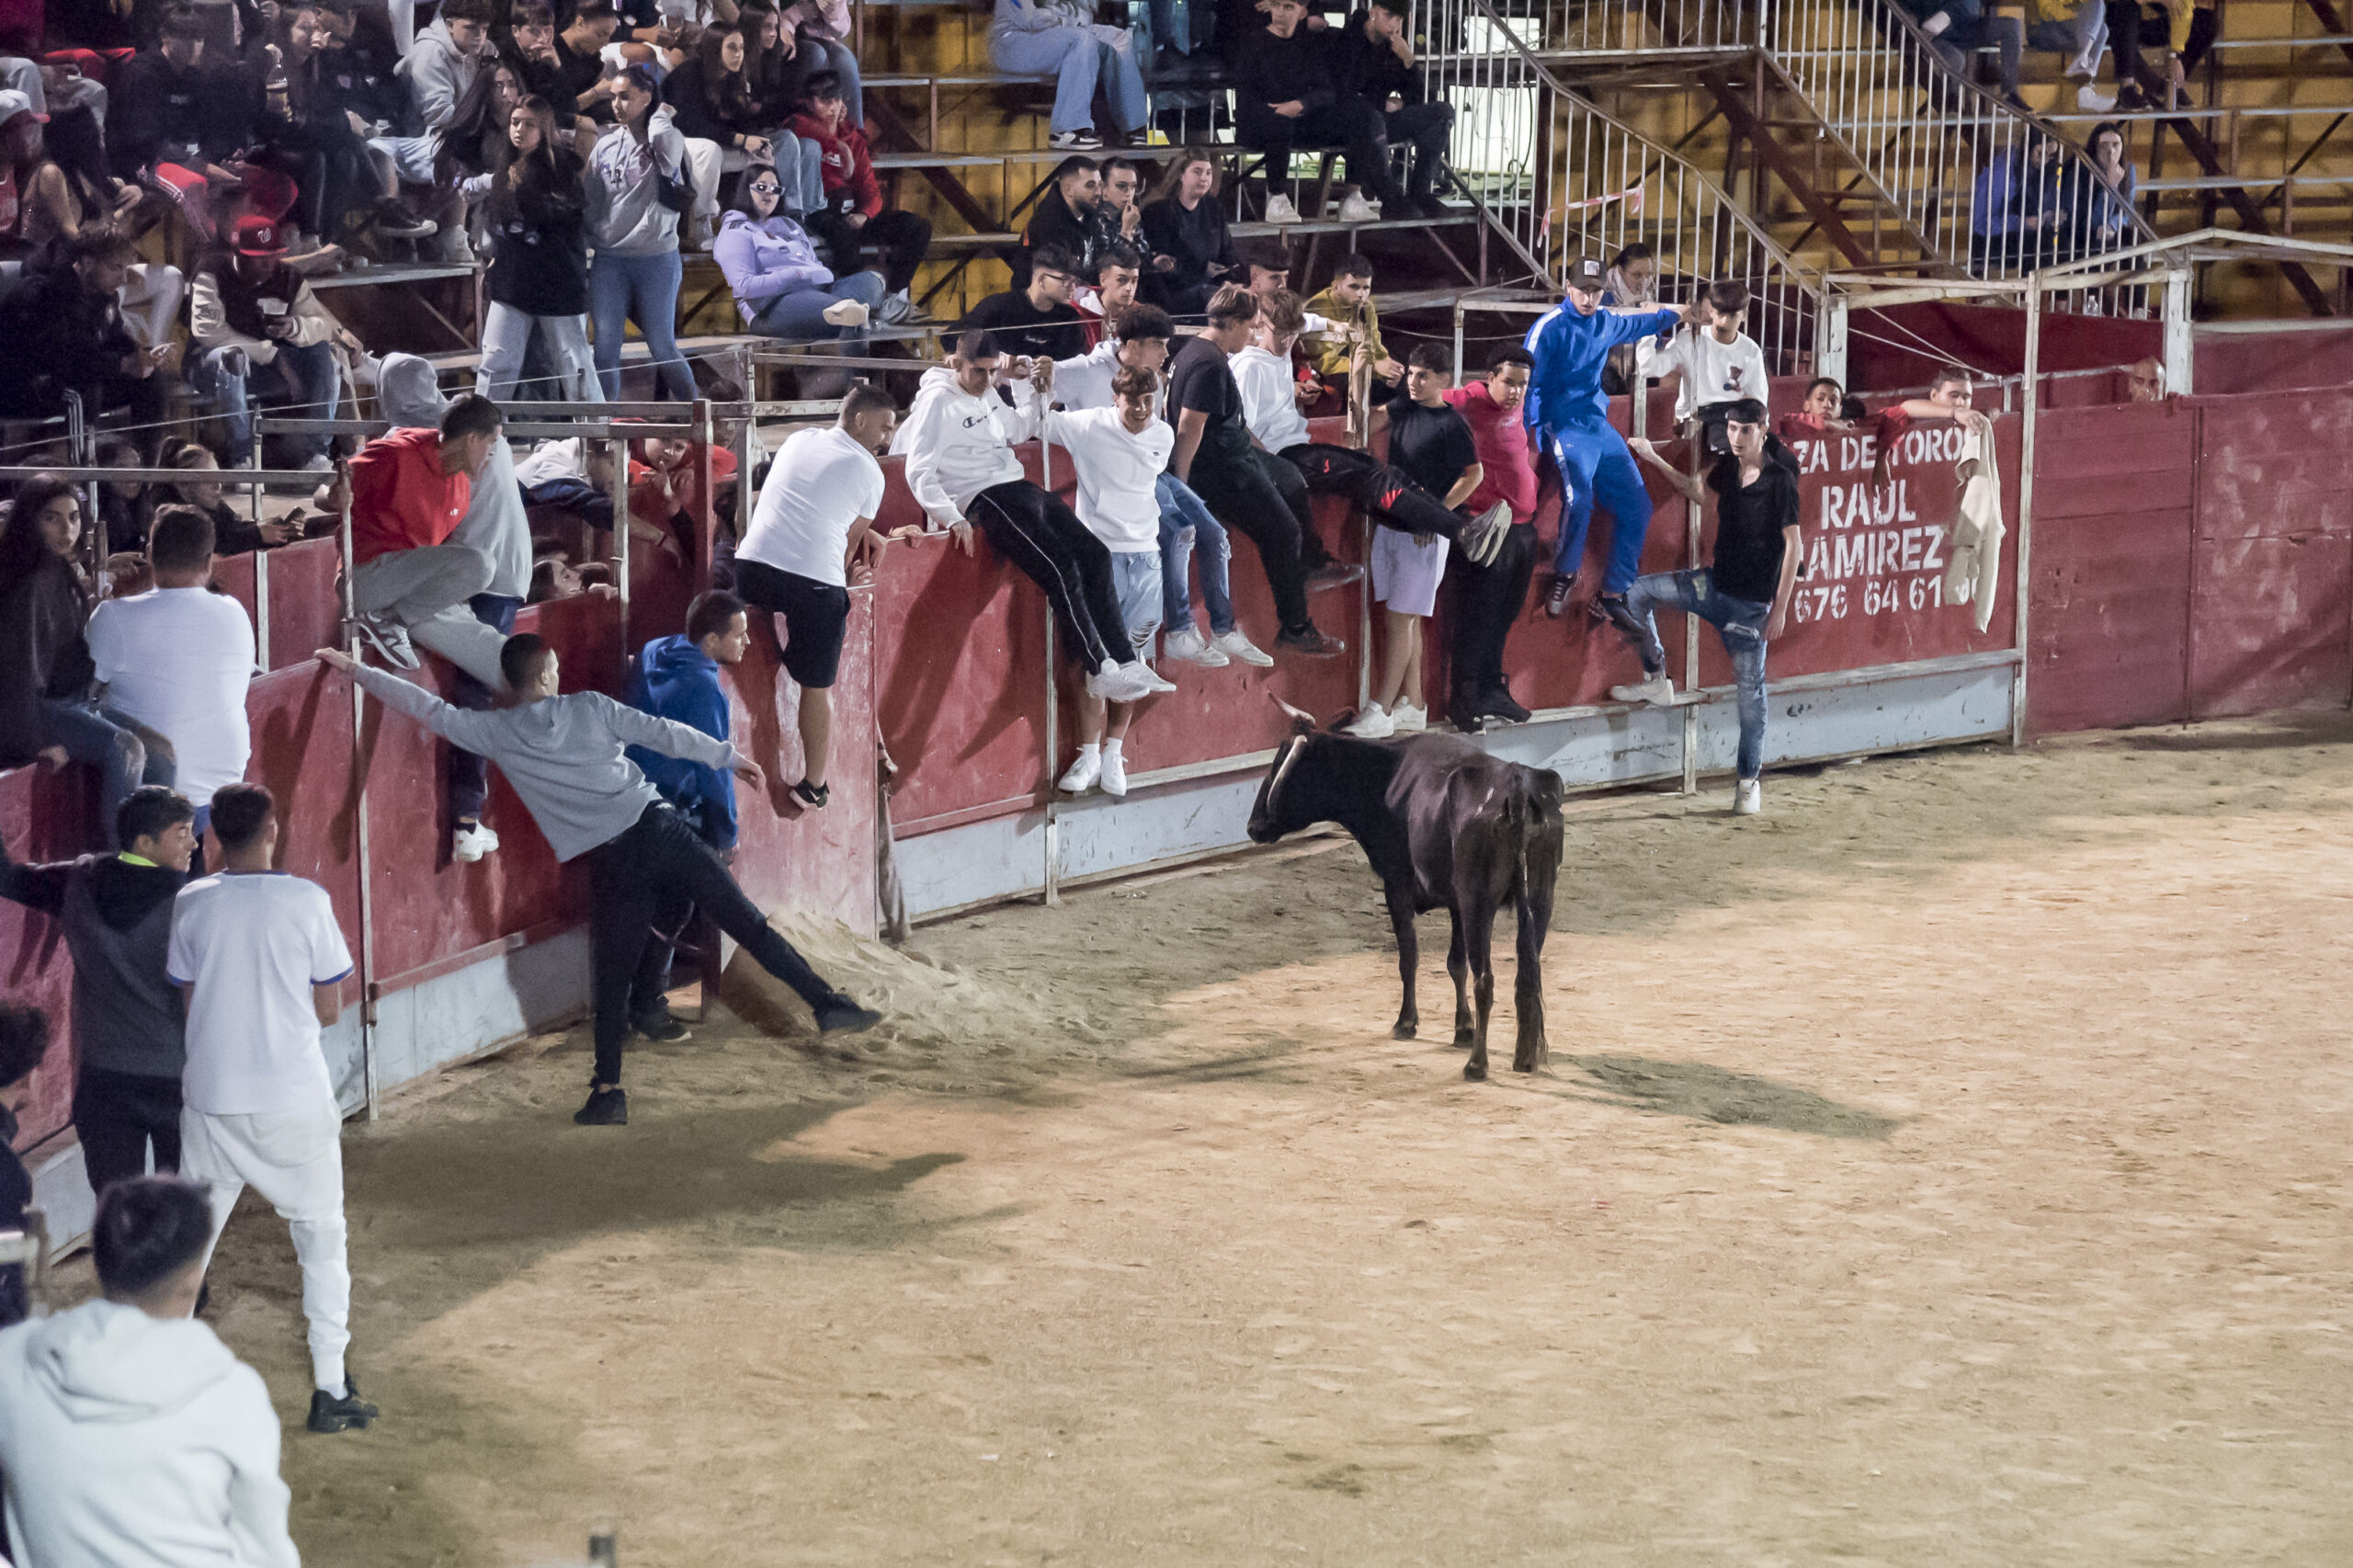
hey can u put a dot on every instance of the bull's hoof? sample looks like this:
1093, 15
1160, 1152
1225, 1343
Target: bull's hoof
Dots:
1529, 1061
1475, 1070
1403, 1031
1465, 1039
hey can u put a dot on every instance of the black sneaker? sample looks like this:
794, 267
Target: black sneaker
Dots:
663, 1027
1498, 702
838, 1015
1556, 597
1612, 608
1467, 711
331, 1412
1310, 642
606, 1107
1334, 574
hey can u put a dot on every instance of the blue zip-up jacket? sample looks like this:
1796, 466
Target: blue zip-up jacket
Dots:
1570, 351
675, 680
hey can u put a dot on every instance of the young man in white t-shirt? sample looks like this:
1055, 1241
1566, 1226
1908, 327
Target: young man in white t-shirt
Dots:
261, 962
178, 658
815, 512
1119, 454
1717, 363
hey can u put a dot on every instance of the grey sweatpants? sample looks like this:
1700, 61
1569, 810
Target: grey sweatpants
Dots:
427, 591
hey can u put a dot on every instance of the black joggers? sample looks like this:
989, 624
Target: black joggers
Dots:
1487, 599
116, 1115
902, 238
1393, 500
651, 869
1266, 499
1032, 527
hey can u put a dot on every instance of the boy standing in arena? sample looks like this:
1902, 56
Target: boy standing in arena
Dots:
262, 962
1569, 412
1429, 443
563, 755
1743, 592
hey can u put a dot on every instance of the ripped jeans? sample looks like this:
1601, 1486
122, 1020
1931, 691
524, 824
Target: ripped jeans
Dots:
1185, 527
1741, 624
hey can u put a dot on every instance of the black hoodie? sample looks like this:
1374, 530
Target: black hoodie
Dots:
117, 920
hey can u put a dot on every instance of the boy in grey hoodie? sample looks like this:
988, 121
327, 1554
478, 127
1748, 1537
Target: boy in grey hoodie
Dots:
439, 71
127, 1431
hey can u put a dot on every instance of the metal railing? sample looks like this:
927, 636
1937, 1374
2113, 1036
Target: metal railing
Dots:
1988, 192
1612, 29
1560, 179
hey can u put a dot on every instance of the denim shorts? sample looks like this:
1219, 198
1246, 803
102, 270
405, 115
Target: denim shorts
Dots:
1135, 583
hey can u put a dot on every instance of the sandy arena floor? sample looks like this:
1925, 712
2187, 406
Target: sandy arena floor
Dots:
1948, 1168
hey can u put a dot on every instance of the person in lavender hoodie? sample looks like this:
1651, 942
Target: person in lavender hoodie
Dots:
782, 288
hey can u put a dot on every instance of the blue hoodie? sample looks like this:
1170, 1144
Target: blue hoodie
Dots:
676, 680
1571, 350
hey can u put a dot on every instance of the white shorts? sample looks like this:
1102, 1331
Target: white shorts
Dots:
1405, 575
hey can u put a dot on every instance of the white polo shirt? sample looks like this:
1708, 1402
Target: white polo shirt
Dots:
251, 944
819, 485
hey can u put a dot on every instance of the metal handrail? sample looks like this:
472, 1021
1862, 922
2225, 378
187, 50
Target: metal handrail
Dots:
1567, 180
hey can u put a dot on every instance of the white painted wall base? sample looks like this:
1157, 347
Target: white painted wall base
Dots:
1810, 719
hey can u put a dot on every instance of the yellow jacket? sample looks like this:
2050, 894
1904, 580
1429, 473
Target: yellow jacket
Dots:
1328, 352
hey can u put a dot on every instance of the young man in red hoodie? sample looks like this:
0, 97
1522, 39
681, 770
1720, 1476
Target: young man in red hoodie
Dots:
853, 217
409, 492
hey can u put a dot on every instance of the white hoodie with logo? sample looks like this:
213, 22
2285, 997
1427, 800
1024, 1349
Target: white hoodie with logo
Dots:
132, 1441
957, 444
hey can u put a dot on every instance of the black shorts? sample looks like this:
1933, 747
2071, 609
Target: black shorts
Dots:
815, 617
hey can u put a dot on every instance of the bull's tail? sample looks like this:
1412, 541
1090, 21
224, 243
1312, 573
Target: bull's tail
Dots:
1534, 813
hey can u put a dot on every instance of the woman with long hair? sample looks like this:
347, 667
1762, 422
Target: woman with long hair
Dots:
51, 204
720, 113
46, 674
1192, 249
781, 289
636, 185
539, 260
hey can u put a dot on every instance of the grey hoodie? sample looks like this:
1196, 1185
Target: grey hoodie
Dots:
562, 755
494, 523
131, 1441
439, 75
625, 217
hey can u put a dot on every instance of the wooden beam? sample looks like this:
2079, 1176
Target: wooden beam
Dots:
2194, 139
1729, 97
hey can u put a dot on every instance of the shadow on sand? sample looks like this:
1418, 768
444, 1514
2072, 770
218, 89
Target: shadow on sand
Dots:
1712, 1094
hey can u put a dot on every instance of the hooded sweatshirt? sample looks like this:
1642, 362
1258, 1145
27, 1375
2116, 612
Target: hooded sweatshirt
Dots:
766, 257
957, 444
131, 1441
846, 162
676, 680
118, 919
439, 75
495, 522
562, 755
625, 213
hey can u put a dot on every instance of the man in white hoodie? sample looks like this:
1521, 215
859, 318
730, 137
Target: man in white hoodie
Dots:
959, 441
129, 1433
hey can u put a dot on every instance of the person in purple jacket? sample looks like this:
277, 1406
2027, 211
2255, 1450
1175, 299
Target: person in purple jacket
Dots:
782, 288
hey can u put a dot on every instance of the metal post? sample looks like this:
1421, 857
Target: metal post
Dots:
360, 785
2023, 592
261, 561
707, 525
1691, 628
1830, 340
1053, 710
620, 540
2180, 355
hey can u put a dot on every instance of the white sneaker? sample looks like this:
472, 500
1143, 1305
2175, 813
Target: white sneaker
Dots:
897, 306
1115, 771
1748, 797
469, 845
2092, 101
1280, 210
389, 639
1074, 141
1373, 724
1658, 691
1357, 209
1189, 647
1236, 645
1081, 774
318, 463
848, 312
1118, 683
1153, 680
1408, 719
1483, 539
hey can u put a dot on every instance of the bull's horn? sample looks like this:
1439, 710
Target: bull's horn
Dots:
1296, 716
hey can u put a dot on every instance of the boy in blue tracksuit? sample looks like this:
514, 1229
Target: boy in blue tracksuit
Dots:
1570, 413
677, 678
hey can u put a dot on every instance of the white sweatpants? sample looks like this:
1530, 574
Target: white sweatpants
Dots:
294, 1159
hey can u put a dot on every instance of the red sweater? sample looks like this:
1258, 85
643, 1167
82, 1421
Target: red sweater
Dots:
400, 497
849, 165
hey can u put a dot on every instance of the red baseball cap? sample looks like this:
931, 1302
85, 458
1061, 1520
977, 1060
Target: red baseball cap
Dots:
258, 235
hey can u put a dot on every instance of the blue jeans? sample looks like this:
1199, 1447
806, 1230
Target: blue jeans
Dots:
1076, 59
116, 745
839, 55
1185, 525
801, 314
1741, 624
642, 288
1596, 465
306, 376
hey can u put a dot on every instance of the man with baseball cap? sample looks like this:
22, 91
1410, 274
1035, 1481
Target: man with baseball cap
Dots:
257, 320
1570, 413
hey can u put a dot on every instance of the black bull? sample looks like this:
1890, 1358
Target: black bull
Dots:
1443, 823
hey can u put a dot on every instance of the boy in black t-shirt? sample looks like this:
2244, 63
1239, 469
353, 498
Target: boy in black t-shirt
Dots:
1039, 323
1745, 593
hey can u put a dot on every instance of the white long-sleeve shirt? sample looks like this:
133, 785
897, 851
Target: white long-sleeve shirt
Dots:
132, 1441
957, 444
1119, 473
1269, 406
